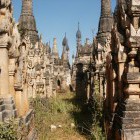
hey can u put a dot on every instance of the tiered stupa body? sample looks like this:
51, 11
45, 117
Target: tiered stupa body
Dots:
27, 23
104, 33
80, 66
125, 46
105, 23
55, 53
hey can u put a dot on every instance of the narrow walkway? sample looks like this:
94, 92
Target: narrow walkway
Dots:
60, 118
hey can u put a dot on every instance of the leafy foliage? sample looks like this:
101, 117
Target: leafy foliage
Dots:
8, 130
96, 108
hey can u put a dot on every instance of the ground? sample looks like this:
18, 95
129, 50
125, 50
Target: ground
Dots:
63, 110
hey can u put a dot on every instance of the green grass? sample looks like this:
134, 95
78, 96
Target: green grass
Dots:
64, 110
56, 111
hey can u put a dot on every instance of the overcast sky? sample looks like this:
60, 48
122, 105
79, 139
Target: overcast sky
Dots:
55, 17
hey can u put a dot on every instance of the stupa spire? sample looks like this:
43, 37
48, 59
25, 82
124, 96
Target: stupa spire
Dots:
27, 23
105, 8
106, 21
55, 49
27, 7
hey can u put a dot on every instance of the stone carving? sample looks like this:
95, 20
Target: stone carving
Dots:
5, 3
30, 81
5, 21
4, 24
30, 64
19, 77
14, 49
135, 2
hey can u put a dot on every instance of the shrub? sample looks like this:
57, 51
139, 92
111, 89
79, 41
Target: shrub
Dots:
96, 108
8, 130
